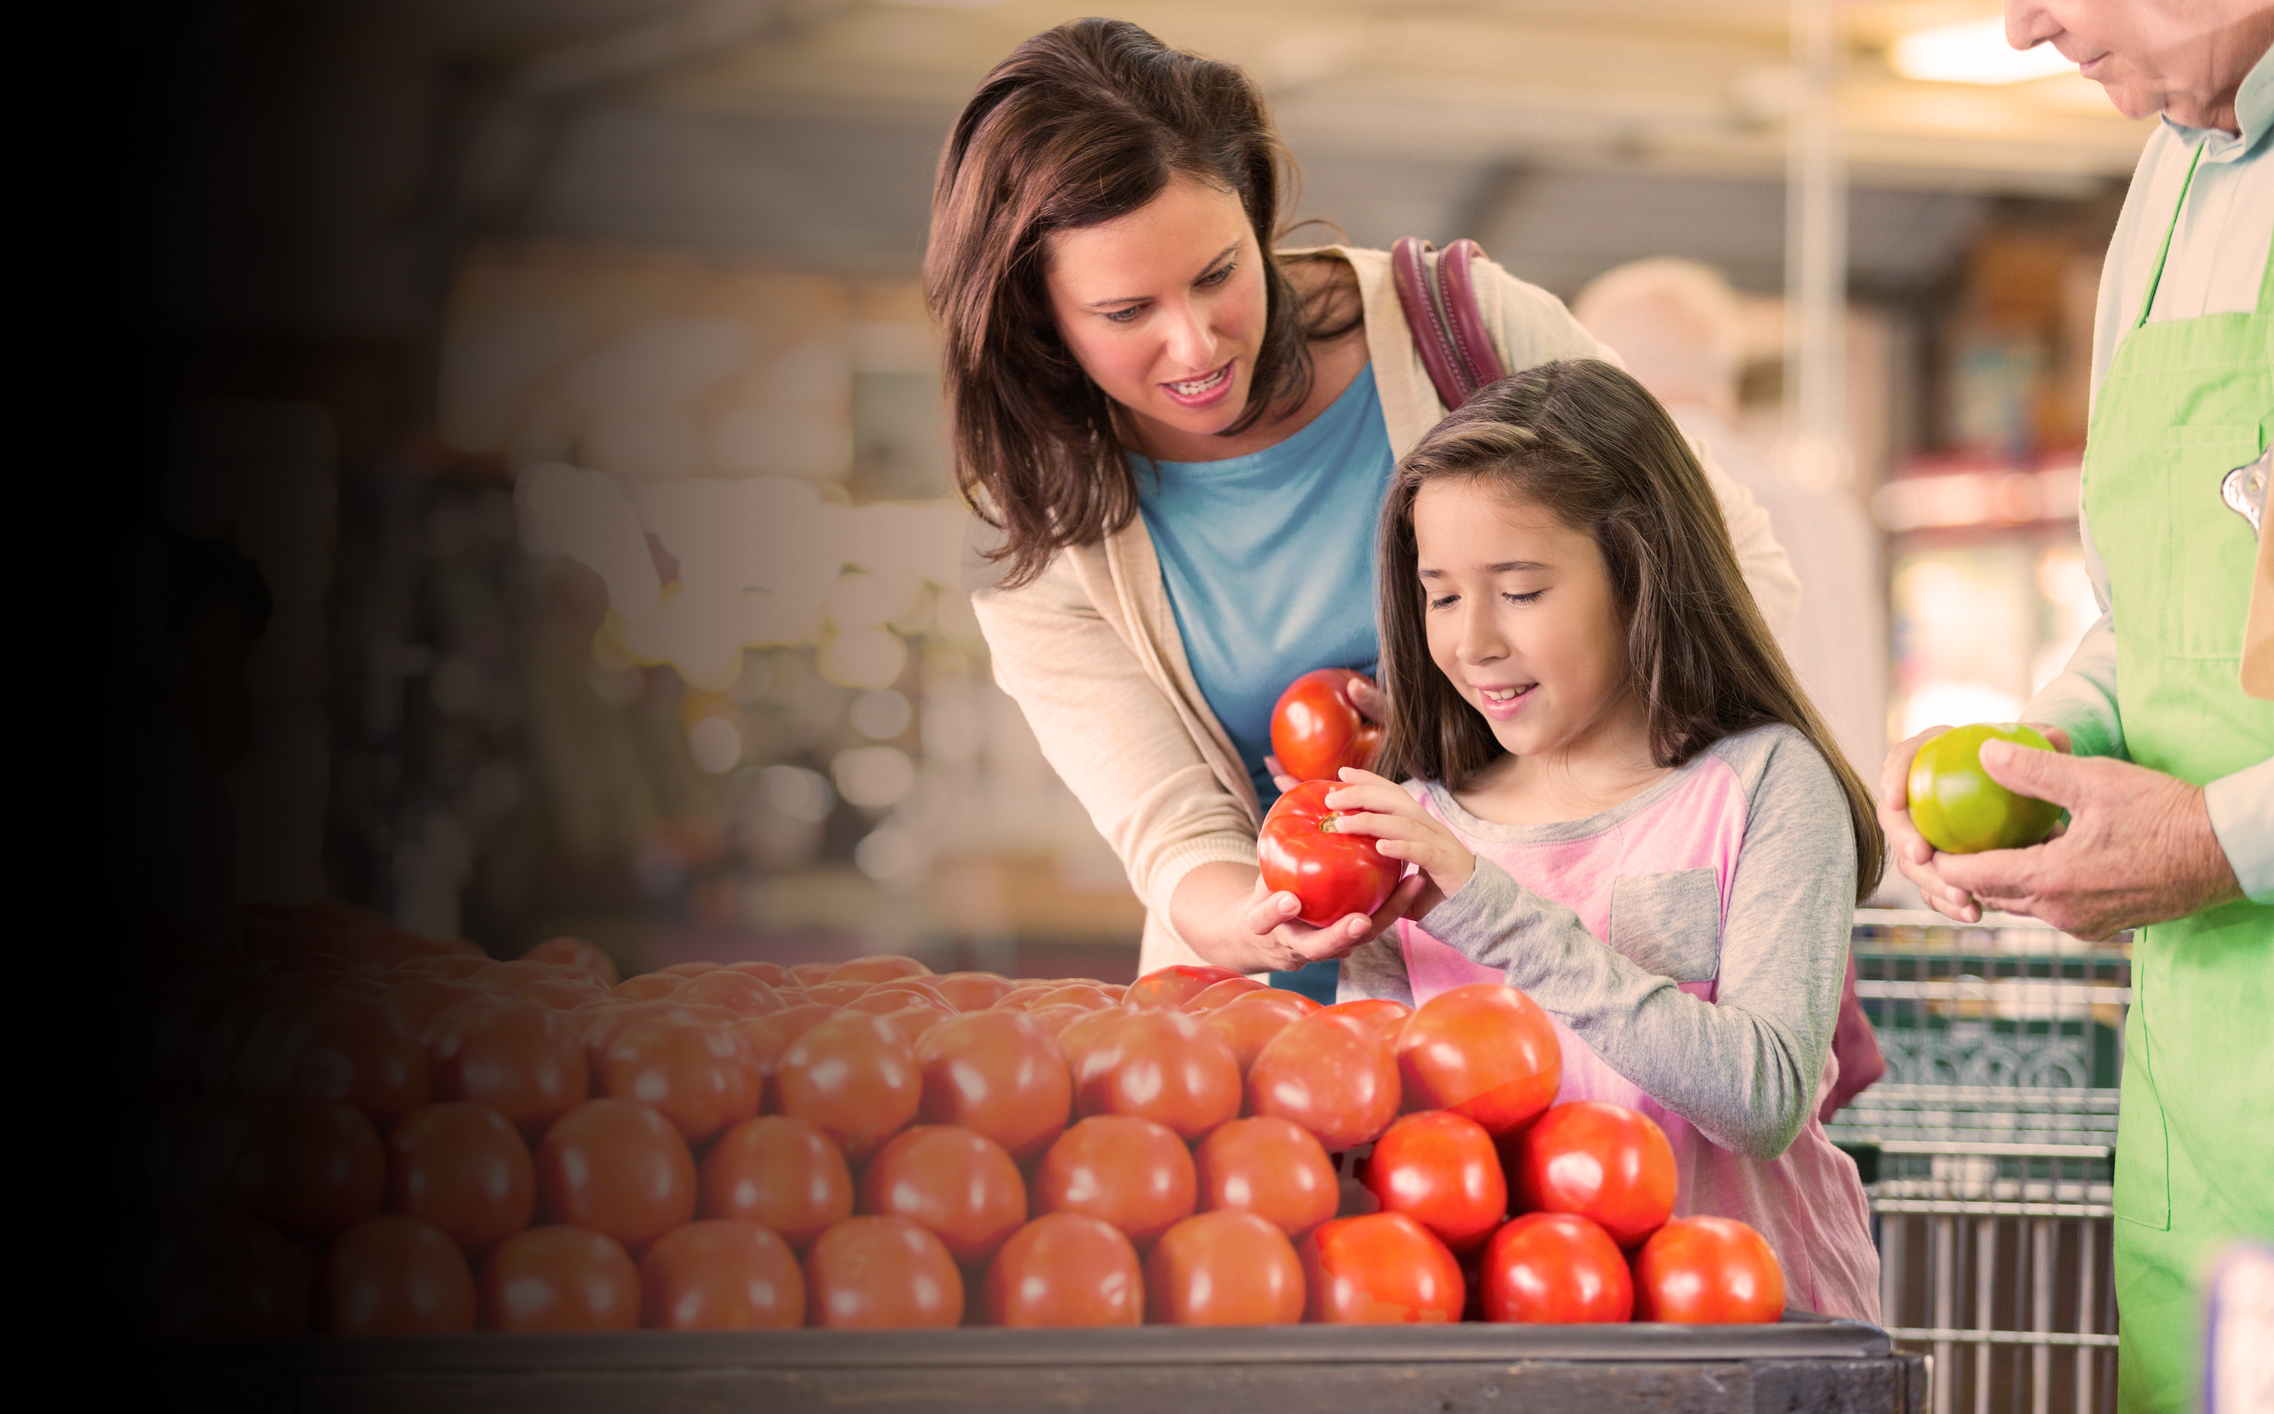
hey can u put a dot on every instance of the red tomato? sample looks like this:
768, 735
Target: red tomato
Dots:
1226, 1268
648, 987
1055, 1019
972, 991
914, 1023
738, 992
316, 1166
1075, 1033
1380, 1269
1556, 1269
689, 969
853, 1075
1221, 993
771, 1034
1173, 986
876, 1001
566, 994
462, 1168
996, 1073
421, 1001
559, 1279
811, 974
1315, 731
1331, 874
519, 974
517, 1056
882, 968
396, 1276
1065, 1269
616, 1168
1387, 1017
959, 1184
1484, 1050
1270, 1167
1708, 1271
1250, 1021
773, 974
1078, 994
836, 994
224, 1275
1162, 1066
1128, 1171
915, 989
576, 955
1601, 1161
362, 1051
781, 1173
1440, 1169
1329, 1074
700, 1077
721, 1275
868, 1273
1022, 996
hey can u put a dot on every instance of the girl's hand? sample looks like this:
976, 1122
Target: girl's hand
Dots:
1370, 704
1381, 808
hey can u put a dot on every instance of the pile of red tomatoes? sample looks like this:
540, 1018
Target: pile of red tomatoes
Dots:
395, 1135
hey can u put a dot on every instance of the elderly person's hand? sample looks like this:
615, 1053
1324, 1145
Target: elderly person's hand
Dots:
2138, 849
1914, 858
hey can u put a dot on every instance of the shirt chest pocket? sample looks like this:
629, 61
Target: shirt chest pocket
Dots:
1669, 924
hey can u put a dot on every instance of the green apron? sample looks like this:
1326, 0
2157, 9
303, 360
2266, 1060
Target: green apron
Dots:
2184, 402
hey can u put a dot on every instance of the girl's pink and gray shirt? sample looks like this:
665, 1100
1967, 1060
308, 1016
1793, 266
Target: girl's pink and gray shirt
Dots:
1689, 944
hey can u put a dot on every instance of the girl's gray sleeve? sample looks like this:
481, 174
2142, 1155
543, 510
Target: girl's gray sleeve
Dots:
1745, 1067
1375, 969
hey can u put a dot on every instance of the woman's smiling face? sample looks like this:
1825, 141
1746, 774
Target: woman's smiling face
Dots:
1165, 310
1522, 618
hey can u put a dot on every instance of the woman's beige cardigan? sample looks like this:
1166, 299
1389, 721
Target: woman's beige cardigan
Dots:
1091, 652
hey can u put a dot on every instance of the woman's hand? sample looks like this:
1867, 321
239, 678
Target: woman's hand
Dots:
1231, 919
1370, 704
1379, 807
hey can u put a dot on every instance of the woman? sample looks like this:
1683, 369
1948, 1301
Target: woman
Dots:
1181, 439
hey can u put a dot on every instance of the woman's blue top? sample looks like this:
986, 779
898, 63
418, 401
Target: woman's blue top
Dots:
1269, 563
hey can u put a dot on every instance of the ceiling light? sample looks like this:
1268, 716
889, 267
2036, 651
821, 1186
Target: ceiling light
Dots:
1975, 52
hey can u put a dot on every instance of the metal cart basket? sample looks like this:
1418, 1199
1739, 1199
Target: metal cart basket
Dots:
1987, 1153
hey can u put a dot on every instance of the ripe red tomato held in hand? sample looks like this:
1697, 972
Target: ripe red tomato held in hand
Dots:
1315, 731
1484, 1050
1555, 1269
1708, 1271
1441, 1170
1601, 1161
1331, 874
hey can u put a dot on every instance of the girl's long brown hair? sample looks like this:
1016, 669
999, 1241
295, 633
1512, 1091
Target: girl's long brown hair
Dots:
1082, 124
1584, 440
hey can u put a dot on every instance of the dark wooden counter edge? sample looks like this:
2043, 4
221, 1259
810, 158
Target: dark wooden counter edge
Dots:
1799, 1337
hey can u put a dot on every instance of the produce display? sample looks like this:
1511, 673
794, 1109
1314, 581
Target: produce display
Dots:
374, 1133
1959, 808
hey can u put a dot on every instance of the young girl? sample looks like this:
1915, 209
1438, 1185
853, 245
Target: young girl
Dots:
1621, 801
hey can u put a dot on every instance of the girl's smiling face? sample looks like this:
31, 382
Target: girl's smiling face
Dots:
1523, 620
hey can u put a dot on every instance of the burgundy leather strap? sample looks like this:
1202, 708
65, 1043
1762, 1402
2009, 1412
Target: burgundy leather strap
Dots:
1448, 326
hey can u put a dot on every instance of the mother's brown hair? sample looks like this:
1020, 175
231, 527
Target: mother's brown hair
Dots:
1082, 124
1585, 441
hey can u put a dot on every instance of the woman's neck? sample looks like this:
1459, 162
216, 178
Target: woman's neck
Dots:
1335, 365
1605, 766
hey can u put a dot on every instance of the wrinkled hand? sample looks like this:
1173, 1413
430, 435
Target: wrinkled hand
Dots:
2139, 847
1914, 858
1363, 695
1286, 942
1403, 830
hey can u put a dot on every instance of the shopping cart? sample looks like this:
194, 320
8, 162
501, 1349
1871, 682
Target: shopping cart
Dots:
1987, 1153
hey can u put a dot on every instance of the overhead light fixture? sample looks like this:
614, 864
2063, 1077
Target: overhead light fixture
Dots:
1975, 52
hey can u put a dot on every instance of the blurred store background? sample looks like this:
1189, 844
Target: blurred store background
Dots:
553, 436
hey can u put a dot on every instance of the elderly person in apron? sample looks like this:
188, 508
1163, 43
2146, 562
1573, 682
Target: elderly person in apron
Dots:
2179, 842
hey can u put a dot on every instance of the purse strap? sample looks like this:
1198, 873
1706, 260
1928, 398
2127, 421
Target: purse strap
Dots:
1441, 309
